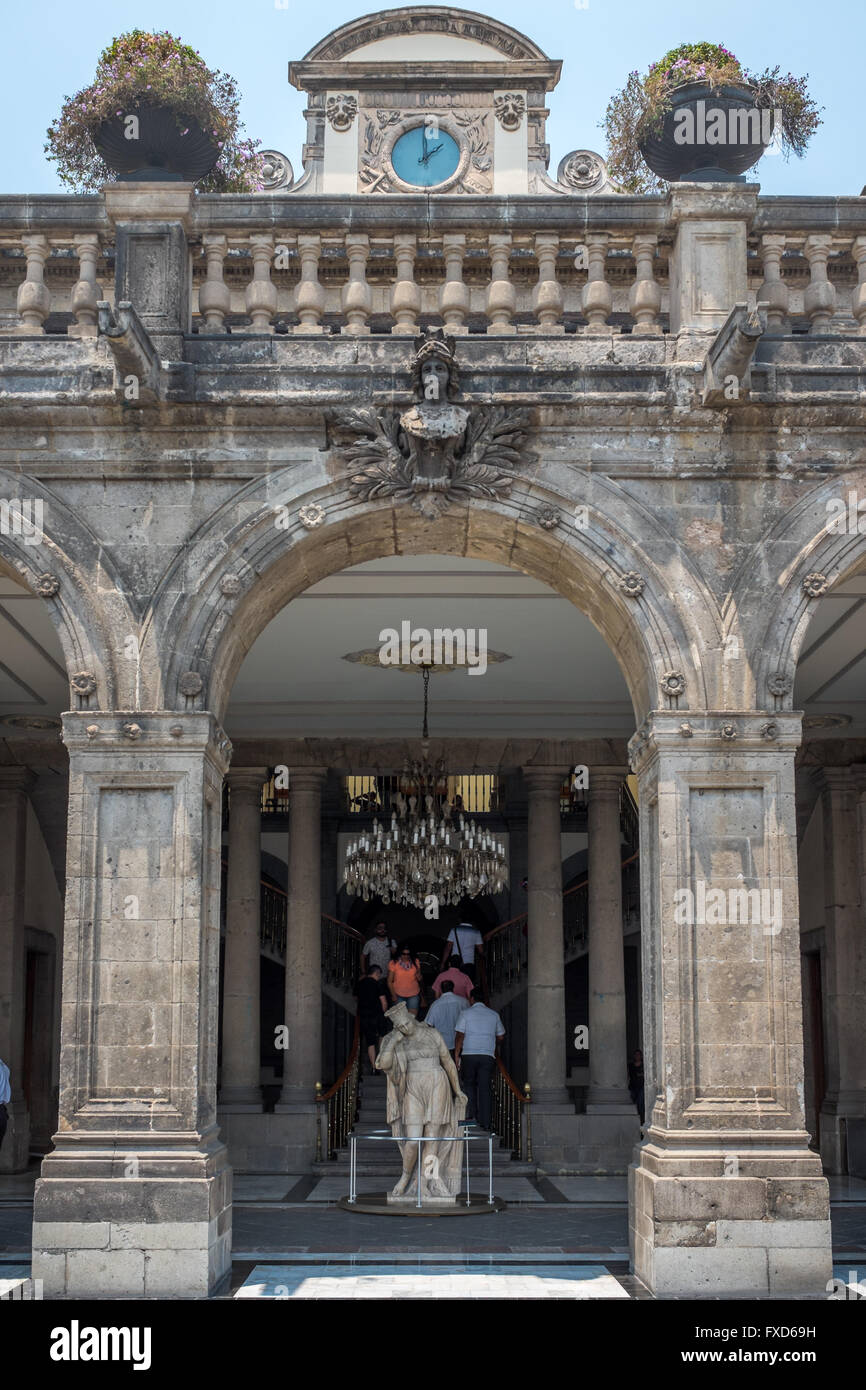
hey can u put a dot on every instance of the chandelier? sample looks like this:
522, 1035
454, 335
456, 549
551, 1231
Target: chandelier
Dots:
431, 849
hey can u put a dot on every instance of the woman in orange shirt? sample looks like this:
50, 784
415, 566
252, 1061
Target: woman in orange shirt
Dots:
404, 980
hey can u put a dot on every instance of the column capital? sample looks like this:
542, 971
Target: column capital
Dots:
16, 779
540, 779
306, 779
246, 782
605, 781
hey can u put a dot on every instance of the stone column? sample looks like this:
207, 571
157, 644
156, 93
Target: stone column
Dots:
15, 783
725, 1195
844, 984
546, 964
303, 952
135, 1199
240, 1087
608, 1091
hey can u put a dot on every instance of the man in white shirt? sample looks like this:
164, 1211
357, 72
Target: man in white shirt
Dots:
379, 949
445, 1011
478, 1034
5, 1097
465, 942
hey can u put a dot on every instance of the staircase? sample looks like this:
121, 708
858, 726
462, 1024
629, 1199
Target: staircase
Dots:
382, 1157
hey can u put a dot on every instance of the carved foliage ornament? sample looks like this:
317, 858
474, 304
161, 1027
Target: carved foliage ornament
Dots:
341, 110
83, 683
277, 171
673, 683
510, 110
632, 584
47, 585
815, 584
581, 170
437, 452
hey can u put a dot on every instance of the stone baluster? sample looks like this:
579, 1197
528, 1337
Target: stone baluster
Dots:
310, 298
774, 292
357, 303
455, 294
261, 295
858, 298
547, 299
86, 293
501, 295
34, 301
214, 299
645, 297
597, 299
819, 301
406, 295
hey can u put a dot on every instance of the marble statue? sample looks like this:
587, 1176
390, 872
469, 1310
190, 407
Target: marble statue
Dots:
424, 1098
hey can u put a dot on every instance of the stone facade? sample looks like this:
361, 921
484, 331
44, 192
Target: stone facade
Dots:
676, 493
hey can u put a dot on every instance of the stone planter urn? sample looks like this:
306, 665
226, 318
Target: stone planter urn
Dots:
156, 151
708, 136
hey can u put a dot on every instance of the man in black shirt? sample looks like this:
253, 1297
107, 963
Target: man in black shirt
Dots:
372, 1003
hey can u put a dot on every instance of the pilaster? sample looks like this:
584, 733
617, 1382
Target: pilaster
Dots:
726, 1196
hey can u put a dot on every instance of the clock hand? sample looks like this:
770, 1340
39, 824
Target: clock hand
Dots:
425, 157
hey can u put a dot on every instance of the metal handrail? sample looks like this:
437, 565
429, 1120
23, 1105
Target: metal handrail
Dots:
340, 1101
509, 1108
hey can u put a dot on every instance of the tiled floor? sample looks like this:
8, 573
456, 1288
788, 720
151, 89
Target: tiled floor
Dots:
847, 1189
252, 1187
854, 1279
12, 1279
457, 1281
608, 1190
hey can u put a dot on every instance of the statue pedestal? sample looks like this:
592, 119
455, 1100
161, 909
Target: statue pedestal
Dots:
410, 1199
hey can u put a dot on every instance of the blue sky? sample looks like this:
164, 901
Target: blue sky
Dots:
51, 51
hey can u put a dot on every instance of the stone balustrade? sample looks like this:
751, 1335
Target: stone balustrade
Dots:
592, 267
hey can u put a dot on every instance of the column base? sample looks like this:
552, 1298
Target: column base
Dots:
129, 1216
283, 1142
763, 1229
590, 1145
240, 1098
609, 1100
15, 1149
836, 1112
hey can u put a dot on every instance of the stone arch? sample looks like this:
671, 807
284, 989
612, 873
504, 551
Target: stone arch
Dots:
342, 42
249, 569
62, 570
814, 560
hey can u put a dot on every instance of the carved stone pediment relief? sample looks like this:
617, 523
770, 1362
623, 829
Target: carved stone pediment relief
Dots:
469, 126
437, 452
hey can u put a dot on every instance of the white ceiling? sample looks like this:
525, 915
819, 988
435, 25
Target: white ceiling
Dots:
561, 679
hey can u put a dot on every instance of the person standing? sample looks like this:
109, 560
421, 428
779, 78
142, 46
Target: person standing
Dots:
636, 1082
477, 1037
379, 950
372, 1003
405, 981
445, 1011
464, 942
5, 1097
459, 980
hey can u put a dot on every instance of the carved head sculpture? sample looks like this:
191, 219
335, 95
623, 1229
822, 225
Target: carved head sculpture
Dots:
435, 374
341, 110
509, 110
401, 1018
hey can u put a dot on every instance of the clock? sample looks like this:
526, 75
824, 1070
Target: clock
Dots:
423, 159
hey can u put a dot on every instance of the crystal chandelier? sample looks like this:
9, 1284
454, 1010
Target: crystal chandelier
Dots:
430, 849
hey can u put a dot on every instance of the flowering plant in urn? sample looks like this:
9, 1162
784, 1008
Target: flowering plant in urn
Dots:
154, 110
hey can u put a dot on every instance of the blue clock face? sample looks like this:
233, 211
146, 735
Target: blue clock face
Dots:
423, 158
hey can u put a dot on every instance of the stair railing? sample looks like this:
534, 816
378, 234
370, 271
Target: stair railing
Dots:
339, 1104
341, 953
505, 947
512, 1114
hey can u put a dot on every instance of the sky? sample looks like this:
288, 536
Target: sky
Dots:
51, 52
